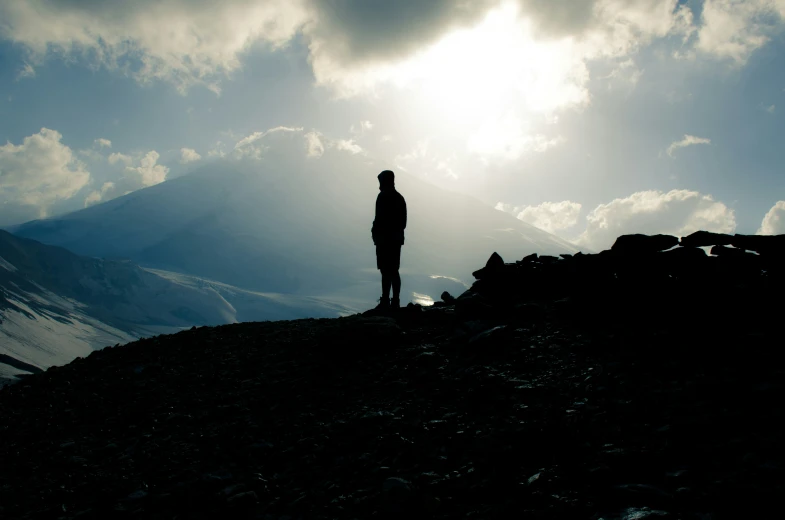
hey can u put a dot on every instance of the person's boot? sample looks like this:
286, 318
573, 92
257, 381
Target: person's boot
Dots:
395, 303
384, 304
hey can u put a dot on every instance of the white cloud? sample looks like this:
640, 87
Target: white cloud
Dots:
553, 217
348, 145
734, 29
102, 143
139, 171
626, 73
92, 155
149, 172
116, 157
27, 72
542, 143
200, 42
361, 128
678, 212
40, 171
97, 196
315, 145
279, 141
485, 64
185, 42
188, 155
774, 221
554, 36
770, 109
260, 143
507, 139
219, 150
421, 160
688, 140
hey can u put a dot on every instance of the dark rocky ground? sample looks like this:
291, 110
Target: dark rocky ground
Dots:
655, 396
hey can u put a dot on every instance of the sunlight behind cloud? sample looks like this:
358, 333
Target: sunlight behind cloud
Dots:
492, 68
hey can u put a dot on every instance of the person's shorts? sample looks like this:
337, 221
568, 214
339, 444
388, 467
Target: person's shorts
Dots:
388, 257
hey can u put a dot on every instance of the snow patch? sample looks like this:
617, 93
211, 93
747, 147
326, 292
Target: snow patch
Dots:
5, 264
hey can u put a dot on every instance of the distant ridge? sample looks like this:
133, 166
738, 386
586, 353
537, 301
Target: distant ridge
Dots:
304, 230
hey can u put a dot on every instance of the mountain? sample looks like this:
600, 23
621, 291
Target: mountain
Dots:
298, 228
55, 305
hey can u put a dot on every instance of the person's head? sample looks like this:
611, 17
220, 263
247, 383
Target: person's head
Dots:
386, 180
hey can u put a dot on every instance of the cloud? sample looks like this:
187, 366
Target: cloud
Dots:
625, 74
350, 36
218, 150
361, 128
97, 196
102, 143
734, 29
184, 42
688, 140
770, 109
315, 145
508, 139
201, 42
39, 172
138, 171
279, 140
678, 212
27, 72
116, 157
553, 217
149, 172
348, 145
260, 143
188, 155
774, 221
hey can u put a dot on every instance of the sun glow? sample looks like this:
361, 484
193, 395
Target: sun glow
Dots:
495, 68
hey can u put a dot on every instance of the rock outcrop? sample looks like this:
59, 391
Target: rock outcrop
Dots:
611, 385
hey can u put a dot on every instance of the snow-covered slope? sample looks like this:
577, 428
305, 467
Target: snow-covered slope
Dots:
55, 305
301, 229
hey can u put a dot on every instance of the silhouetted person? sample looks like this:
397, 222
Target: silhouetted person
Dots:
387, 233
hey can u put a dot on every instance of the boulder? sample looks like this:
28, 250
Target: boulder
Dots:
473, 306
683, 254
641, 244
493, 267
683, 260
772, 245
705, 239
727, 251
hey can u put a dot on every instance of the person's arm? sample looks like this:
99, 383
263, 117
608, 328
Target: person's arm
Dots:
375, 218
403, 204
402, 217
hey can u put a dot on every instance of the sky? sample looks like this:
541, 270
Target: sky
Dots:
587, 119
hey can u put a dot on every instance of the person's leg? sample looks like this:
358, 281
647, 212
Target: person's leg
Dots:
396, 285
387, 281
381, 260
396, 276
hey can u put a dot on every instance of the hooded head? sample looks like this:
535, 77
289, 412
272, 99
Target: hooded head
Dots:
386, 180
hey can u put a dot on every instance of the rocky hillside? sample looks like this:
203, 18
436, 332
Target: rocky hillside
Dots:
643, 382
